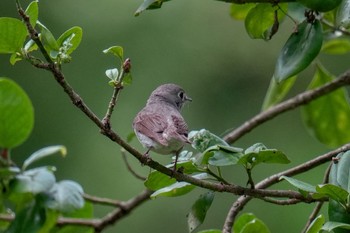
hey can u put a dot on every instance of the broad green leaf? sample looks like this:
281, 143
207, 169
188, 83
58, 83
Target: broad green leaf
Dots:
332, 226
343, 14
332, 191
203, 139
339, 175
70, 39
66, 196
240, 11
112, 74
258, 153
199, 210
300, 184
262, 21
29, 219
316, 224
336, 46
328, 117
220, 155
178, 188
44, 152
300, 50
277, 91
33, 12
248, 223
34, 181
48, 39
116, 51
13, 32
157, 180
17, 114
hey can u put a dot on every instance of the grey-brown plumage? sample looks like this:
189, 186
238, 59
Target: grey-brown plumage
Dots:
159, 126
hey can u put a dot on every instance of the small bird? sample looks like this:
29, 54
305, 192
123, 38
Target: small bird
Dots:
159, 126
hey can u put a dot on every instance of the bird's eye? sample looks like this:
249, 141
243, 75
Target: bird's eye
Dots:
181, 94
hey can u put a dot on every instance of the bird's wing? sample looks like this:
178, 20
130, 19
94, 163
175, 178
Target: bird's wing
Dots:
152, 125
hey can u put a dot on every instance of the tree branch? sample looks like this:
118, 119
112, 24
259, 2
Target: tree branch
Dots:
292, 103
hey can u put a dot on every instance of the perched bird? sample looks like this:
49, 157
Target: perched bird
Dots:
159, 126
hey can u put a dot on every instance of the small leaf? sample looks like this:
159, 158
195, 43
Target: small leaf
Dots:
44, 152
336, 46
300, 184
127, 79
112, 74
70, 39
13, 32
34, 181
219, 155
66, 196
328, 117
334, 192
240, 11
33, 12
148, 4
116, 51
157, 180
300, 50
17, 114
343, 14
48, 39
248, 223
277, 91
203, 139
261, 19
258, 153
199, 210
316, 224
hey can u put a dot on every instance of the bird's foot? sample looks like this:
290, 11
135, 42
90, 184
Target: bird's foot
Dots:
145, 159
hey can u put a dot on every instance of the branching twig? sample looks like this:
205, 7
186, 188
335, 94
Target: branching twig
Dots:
239, 204
131, 170
103, 201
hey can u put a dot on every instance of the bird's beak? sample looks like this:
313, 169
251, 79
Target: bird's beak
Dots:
188, 98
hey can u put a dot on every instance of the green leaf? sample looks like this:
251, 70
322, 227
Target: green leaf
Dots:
33, 12
66, 196
300, 50
70, 40
29, 219
334, 192
127, 79
112, 74
44, 152
332, 226
316, 224
240, 11
263, 19
116, 51
17, 114
277, 91
328, 117
220, 155
34, 181
149, 4
248, 223
12, 35
343, 14
48, 39
157, 180
199, 210
203, 139
258, 153
178, 188
300, 184
336, 46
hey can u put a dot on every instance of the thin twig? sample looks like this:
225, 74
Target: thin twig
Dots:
292, 103
131, 170
103, 201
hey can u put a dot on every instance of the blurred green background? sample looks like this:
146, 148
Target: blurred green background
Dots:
192, 43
